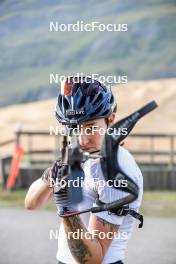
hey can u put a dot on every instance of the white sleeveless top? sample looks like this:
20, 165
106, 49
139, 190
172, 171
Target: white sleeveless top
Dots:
94, 174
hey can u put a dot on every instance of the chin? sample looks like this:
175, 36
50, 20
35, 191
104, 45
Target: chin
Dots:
93, 150
90, 149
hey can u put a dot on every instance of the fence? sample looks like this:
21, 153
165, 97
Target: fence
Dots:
157, 164
153, 154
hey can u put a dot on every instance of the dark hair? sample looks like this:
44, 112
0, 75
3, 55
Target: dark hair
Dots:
115, 111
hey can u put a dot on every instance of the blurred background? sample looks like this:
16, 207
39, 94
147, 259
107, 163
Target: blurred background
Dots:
29, 53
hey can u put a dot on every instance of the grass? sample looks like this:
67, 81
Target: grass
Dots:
16, 198
157, 204
13, 199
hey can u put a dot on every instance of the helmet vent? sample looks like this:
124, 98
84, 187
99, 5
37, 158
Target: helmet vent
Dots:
66, 103
99, 109
99, 98
106, 112
111, 100
82, 101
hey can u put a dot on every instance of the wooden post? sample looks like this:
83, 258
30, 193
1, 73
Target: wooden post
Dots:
171, 165
152, 148
18, 131
30, 148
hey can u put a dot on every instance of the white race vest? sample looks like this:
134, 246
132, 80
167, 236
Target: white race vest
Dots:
93, 187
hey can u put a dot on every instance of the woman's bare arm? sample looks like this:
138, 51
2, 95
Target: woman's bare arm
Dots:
39, 193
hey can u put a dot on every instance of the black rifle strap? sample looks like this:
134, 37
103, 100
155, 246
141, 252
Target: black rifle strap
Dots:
123, 211
112, 171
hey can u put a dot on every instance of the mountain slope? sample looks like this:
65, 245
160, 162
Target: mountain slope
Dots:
29, 52
40, 115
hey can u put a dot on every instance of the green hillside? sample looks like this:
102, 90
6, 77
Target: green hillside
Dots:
29, 52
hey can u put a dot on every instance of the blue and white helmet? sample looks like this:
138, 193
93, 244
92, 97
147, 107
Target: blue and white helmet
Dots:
82, 99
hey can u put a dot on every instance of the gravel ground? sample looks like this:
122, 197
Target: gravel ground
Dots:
25, 238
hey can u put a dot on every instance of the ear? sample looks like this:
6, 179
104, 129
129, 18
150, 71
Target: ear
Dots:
111, 119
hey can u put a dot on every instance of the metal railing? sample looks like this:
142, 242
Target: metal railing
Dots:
158, 175
154, 153
151, 153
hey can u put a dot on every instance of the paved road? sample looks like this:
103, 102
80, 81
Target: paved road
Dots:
25, 238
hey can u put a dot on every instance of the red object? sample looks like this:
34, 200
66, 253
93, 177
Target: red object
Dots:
14, 167
67, 89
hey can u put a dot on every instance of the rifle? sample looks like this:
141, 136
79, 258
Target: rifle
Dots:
107, 158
